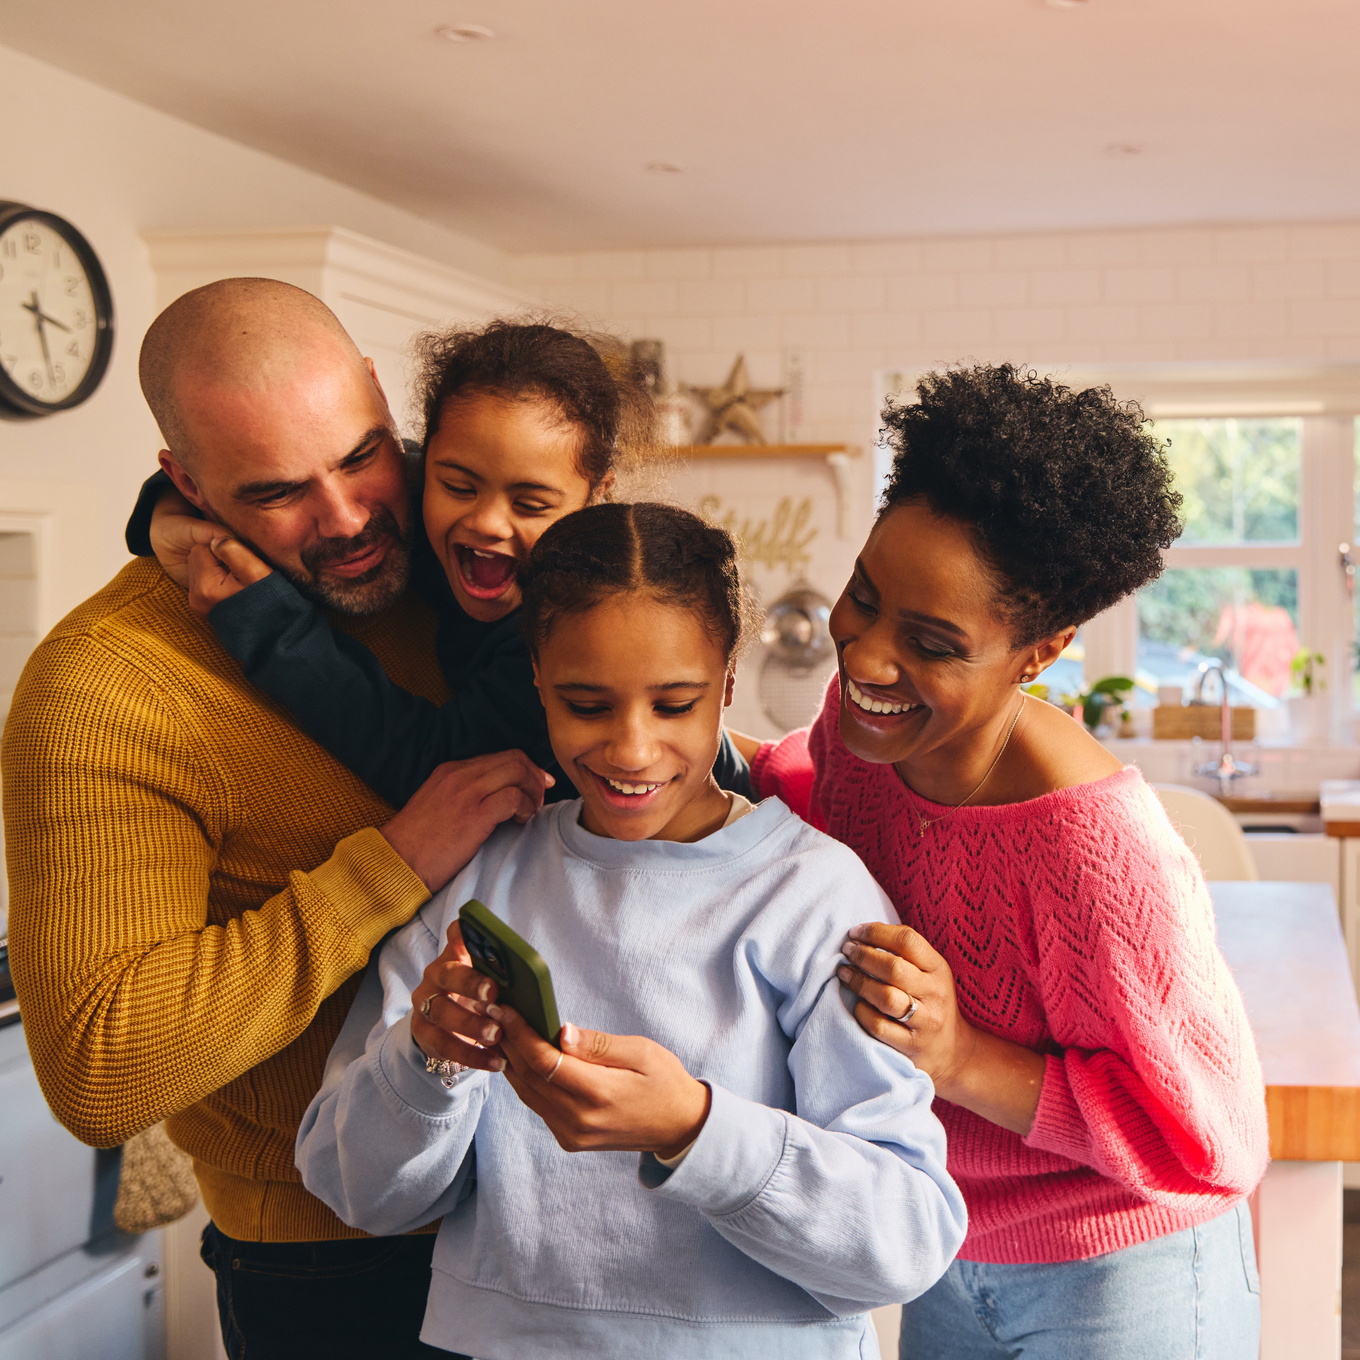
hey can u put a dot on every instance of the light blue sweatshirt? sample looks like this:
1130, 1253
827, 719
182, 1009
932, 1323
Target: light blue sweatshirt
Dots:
815, 1191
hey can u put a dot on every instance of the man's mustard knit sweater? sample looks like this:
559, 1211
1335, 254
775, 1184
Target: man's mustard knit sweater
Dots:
193, 885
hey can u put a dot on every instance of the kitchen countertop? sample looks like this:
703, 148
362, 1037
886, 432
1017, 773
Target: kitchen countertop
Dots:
1283, 943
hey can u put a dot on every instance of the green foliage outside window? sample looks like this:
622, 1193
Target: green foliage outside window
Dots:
1240, 479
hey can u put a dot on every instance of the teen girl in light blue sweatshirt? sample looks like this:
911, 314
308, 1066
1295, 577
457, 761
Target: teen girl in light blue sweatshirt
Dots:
791, 1174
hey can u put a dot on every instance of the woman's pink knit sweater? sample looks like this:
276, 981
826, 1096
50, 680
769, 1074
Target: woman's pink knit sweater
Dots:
1077, 924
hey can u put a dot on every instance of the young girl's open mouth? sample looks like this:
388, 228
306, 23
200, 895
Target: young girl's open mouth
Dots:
486, 575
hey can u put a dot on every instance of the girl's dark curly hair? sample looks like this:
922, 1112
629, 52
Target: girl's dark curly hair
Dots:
612, 548
1068, 494
591, 379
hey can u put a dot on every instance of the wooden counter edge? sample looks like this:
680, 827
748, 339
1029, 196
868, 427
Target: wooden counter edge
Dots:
1314, 1123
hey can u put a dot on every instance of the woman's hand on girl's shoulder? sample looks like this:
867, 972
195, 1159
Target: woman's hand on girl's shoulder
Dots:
908, 1001
907, 997
603, 1092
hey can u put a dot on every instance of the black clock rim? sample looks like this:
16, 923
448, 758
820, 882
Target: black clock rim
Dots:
14, 401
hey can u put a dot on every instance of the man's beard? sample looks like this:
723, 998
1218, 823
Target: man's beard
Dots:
370, 593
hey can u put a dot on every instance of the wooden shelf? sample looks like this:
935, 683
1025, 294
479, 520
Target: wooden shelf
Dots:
756, 450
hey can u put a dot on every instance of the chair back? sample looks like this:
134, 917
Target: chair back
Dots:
1210, 830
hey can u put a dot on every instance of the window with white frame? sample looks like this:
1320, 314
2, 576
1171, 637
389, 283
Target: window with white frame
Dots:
1268, 460
1257, 576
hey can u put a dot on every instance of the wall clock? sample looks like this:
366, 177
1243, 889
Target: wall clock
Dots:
56, 314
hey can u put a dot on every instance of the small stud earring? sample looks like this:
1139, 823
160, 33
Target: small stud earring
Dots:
1025, 679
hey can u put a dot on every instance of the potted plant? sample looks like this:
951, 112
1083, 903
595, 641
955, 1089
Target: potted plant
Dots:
1105, 702
1308, 716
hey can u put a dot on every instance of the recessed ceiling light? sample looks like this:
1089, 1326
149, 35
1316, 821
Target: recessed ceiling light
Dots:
1123, 149
465, 33
665, 168
1064, 4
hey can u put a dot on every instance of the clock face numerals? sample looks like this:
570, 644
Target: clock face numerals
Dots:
48, 323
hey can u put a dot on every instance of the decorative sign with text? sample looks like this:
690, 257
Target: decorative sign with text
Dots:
781, 540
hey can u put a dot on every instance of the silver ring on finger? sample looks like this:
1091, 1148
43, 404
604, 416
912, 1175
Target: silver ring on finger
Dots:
425, 1007
556, 1065
910, 1011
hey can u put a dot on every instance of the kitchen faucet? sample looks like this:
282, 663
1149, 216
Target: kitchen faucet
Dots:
1225, 769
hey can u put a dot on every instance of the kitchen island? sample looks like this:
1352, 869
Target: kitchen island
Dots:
1284, 944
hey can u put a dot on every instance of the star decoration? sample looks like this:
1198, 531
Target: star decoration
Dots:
733, 406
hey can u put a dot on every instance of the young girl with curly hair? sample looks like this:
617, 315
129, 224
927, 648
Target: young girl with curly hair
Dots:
1055, 970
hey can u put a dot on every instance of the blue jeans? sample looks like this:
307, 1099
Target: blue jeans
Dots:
1193, 1295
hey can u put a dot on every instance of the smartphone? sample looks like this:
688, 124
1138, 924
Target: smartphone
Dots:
515, 966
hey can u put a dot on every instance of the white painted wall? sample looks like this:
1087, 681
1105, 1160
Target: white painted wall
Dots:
116, 169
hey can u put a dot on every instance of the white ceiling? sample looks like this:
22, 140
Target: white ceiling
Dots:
793, 120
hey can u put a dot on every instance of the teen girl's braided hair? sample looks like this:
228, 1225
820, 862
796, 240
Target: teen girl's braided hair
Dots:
609, 549
591, 379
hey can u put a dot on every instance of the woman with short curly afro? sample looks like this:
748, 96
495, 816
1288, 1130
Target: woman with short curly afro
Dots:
1056, 972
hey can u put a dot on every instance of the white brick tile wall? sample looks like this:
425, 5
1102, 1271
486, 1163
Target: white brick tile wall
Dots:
817, 330
1343, 278
1104, 248
747, 262
958, 327
818, 261
1213, 282
593, 300
710, 297
679, 332
1175, 320
1262, 292
1031, 252
1251, 320
1059, 286
1327, 241
1289, 279
1235, 244
611, 265
890, 330
923, 290
781, 295
646, 296
885, 257
995, 288
747, 332
1028, 326
1139, 283
852, 293
964, 252
680, 264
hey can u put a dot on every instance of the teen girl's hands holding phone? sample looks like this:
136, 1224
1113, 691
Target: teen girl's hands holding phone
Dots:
596, 1092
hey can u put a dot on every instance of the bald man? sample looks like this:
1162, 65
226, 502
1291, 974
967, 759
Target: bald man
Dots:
194, 884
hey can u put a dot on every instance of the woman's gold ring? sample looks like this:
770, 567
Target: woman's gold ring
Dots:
911, 1010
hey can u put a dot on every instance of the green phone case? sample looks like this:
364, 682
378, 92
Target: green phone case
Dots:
514, 965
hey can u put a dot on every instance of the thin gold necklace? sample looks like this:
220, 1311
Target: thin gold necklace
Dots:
927, 822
